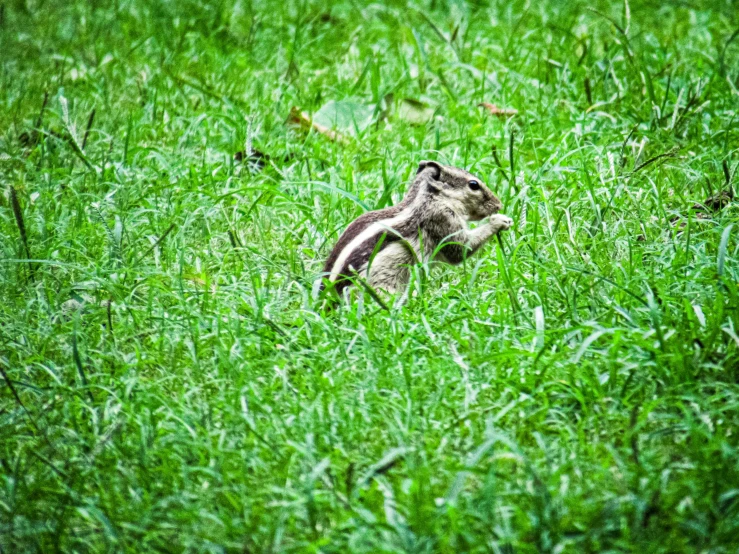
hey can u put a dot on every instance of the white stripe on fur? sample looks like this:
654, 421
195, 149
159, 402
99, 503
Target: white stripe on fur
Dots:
374, 229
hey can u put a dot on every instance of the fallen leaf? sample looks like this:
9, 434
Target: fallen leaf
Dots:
492, 109
304, 121
682, 224
716, 202
345, 116
415, 112
201, 282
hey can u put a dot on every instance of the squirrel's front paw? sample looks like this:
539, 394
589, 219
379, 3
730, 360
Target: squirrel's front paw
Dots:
501, 222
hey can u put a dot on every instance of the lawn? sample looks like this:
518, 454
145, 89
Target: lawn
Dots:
173, 174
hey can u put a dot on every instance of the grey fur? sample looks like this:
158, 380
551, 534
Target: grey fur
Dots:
432, 217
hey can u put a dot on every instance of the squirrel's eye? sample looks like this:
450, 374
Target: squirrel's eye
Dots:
474, 185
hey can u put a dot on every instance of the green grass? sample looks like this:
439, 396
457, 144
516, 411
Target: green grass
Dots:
169, 385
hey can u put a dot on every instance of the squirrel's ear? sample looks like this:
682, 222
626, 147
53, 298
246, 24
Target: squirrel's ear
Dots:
424, 164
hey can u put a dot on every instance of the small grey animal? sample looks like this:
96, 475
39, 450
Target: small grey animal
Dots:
430, 221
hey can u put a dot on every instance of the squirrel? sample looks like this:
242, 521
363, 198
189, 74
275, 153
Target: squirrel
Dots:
429, 223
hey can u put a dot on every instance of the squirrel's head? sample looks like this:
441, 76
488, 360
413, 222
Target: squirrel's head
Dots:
464, 191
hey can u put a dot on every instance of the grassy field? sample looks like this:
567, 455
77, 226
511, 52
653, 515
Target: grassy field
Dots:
168, 383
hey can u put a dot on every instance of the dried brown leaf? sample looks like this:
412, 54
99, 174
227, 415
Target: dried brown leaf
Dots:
716, 202
492, 109
304, 121
681, 223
